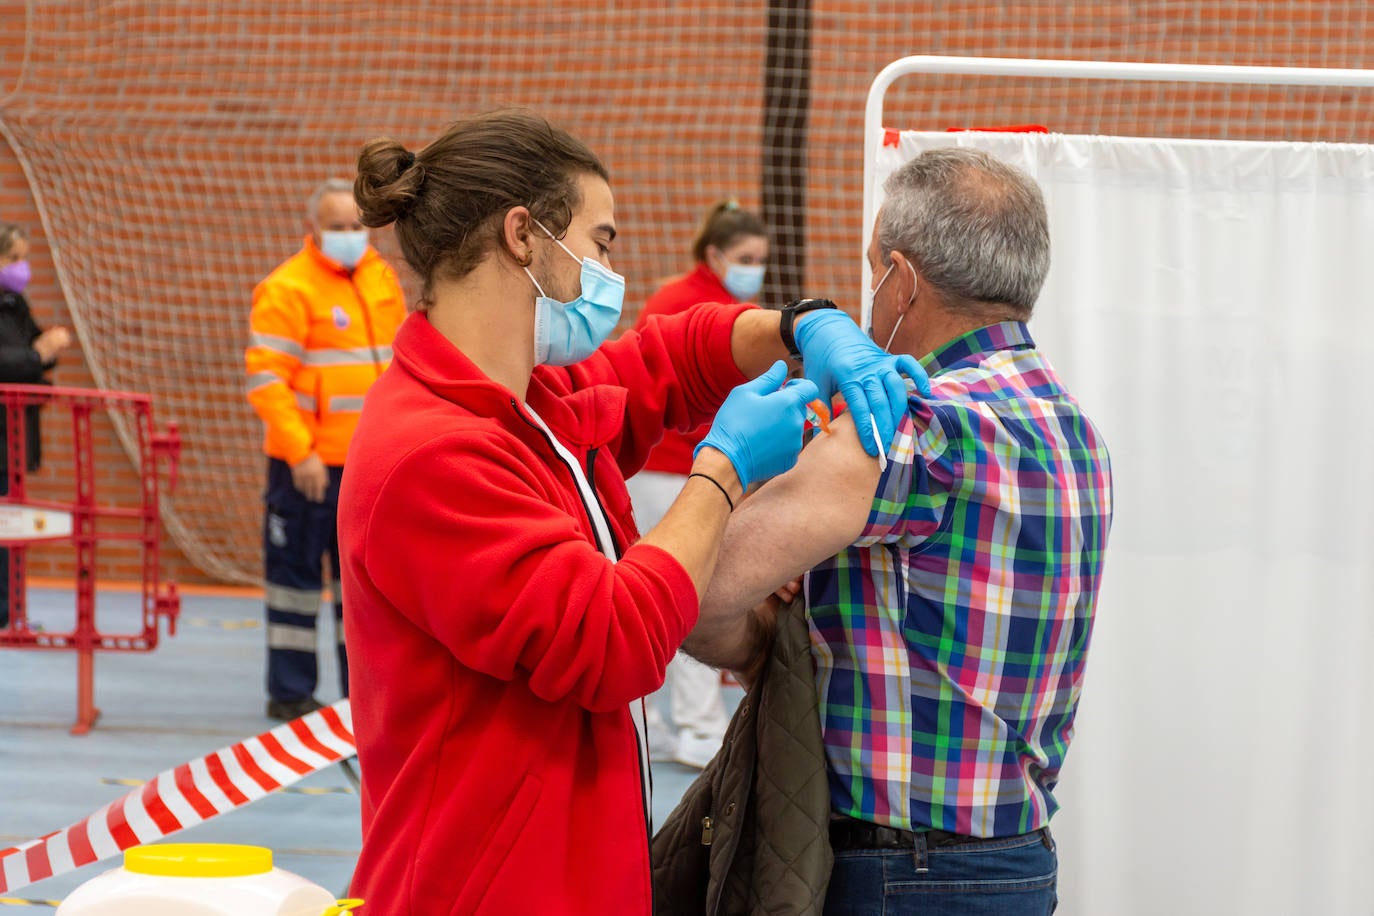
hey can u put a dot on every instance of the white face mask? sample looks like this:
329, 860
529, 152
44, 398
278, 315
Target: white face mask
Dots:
873, 295
887, 347
869, 297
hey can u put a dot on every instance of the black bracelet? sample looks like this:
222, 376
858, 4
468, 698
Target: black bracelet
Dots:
718, 487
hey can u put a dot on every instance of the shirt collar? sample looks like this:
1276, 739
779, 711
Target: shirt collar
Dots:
971, 347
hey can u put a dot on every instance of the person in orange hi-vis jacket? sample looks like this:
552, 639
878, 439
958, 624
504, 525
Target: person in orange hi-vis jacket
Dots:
322, 327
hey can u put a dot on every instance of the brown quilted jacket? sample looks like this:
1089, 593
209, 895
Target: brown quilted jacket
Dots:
750, 835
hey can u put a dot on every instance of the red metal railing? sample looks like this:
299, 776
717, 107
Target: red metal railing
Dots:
24, 521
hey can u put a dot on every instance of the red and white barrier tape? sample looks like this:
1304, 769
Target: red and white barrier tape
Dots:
187, 795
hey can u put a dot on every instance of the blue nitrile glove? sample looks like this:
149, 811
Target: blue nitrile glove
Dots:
837, 356
759, 427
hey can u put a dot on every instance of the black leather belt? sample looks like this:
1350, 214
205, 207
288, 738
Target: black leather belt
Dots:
848, 833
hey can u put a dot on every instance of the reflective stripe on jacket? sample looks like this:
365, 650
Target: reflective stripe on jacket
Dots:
320, 338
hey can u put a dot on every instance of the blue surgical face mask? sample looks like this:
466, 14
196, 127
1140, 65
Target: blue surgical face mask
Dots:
347, 248
569, 332
743, 280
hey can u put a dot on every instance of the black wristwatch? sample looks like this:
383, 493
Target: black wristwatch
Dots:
790, 311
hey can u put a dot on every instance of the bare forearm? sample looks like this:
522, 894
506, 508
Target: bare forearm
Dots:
755, 342
692, 527
756, 339
734, 641
735, 626
792, 523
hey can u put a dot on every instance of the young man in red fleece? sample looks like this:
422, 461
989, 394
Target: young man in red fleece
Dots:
506, 619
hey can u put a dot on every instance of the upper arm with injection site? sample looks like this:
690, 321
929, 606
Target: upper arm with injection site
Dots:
795, 520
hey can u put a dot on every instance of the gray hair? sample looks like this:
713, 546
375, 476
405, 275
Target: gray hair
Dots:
974, 225
330, 186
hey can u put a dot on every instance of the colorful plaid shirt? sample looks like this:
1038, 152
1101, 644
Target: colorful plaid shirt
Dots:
950, 639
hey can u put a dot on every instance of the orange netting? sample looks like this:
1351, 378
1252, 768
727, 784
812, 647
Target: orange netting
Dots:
168, 147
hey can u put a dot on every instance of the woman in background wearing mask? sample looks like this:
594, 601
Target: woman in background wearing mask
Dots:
505, 617
731, 255
731, 251
27, 354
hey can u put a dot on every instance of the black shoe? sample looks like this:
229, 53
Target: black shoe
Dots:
286, 710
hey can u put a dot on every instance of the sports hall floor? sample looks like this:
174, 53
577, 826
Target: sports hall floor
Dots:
199, 691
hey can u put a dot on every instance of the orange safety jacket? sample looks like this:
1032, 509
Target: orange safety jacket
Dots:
321, 336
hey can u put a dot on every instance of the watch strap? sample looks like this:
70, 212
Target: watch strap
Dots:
790, 311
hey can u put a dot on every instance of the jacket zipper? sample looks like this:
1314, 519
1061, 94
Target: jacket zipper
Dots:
707, 830
591, 482
640, 751
367, 321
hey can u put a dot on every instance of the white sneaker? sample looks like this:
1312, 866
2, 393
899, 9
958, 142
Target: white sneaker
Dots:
695, 750
662, 742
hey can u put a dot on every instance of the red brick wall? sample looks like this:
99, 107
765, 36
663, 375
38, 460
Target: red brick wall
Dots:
171, 147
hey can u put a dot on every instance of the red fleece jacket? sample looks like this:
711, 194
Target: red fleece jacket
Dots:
674, 454
493, 649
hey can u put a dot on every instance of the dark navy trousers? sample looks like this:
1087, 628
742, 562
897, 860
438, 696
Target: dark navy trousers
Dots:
296, 535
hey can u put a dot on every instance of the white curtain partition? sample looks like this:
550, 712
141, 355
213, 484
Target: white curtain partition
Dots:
1211, 304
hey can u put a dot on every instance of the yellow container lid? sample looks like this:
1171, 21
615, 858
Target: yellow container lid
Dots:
198, 860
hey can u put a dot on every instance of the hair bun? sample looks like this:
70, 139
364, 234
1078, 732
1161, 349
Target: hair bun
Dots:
387, 182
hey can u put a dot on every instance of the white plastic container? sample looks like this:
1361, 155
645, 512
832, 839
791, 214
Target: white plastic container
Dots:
197, 879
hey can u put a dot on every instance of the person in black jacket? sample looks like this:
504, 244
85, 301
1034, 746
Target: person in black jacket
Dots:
26, 354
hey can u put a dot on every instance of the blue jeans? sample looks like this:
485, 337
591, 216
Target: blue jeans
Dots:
1012, 876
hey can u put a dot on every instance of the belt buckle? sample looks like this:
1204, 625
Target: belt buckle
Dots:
885, 837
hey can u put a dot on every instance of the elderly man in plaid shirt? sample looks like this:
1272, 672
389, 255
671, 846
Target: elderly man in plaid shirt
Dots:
950, 584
